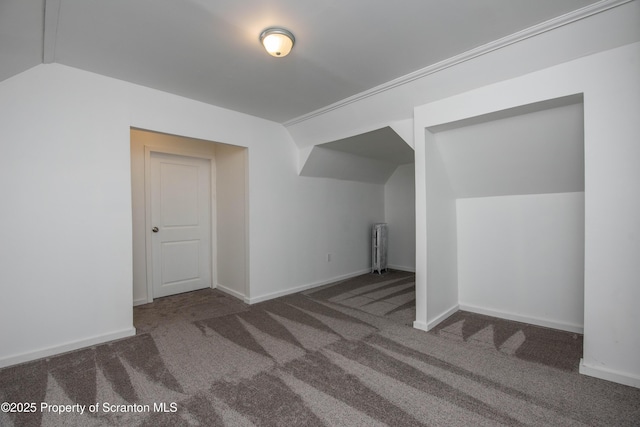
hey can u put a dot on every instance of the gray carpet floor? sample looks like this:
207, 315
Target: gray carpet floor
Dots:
340, 355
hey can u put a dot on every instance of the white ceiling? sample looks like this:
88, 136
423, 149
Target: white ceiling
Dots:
208, 50
367, 157
384, 144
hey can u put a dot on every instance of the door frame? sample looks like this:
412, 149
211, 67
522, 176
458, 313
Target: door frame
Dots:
148, 149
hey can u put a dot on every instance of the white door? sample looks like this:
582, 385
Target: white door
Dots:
181, 223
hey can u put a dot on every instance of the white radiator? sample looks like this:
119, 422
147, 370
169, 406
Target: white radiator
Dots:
379, 247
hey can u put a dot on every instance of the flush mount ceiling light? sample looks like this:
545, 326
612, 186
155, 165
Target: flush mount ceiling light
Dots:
277, 41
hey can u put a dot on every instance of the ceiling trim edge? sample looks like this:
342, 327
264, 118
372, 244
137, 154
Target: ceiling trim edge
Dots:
535, 30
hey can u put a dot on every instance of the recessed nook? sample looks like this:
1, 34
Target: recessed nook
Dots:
507, 197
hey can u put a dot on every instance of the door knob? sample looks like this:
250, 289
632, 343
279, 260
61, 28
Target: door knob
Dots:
154, 229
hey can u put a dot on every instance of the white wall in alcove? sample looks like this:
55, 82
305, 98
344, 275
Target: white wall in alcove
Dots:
611, 89
400, 215
522, 258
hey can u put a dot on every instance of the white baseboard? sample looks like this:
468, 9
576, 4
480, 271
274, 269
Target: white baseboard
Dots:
304, 287
402, 268
421, 325
609, 374
231, 292
63, 348
443, 316
140, 301
578, 329
434, 322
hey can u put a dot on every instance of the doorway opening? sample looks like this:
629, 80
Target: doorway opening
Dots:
182, 260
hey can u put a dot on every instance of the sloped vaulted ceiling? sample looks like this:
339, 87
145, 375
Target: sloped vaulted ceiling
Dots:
208, 50
530, 151
368, 157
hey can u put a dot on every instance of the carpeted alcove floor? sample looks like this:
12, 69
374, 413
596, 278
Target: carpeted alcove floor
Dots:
340, 355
